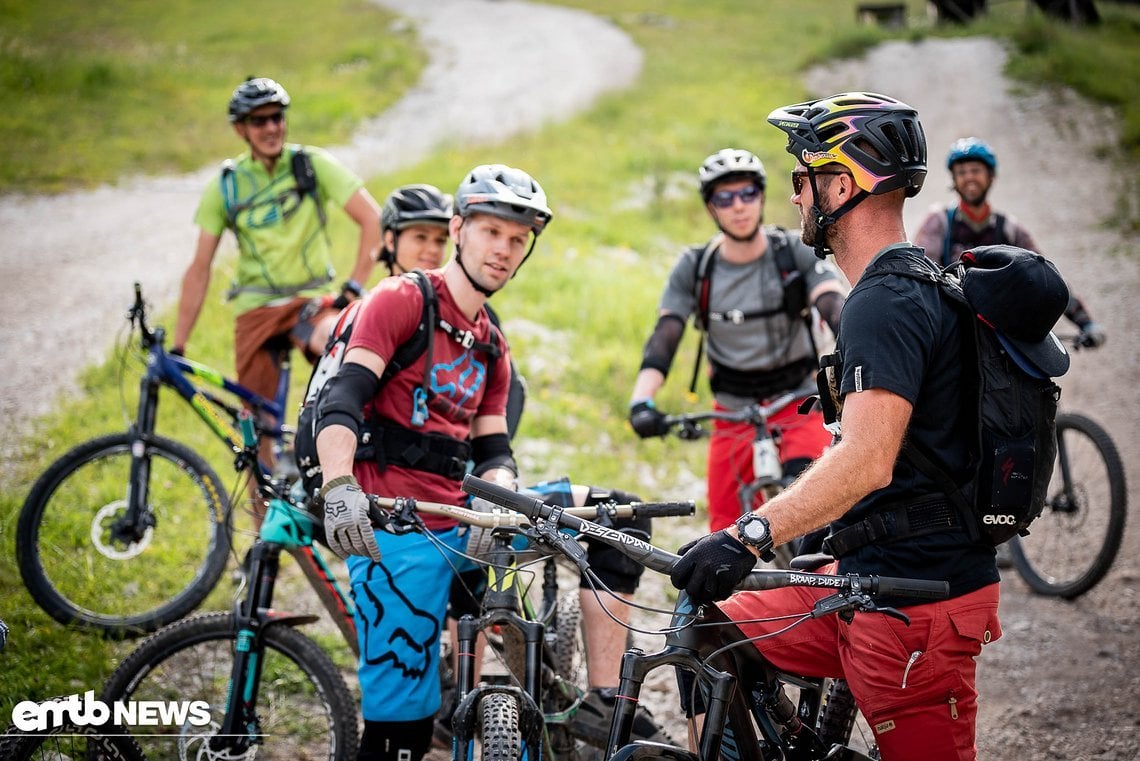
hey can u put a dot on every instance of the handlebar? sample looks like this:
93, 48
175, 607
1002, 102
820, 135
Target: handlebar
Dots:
661, 561
687, 425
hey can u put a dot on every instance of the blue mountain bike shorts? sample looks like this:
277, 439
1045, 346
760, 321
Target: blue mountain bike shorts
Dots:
400, 606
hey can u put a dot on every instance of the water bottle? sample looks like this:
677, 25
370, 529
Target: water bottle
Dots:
765, 459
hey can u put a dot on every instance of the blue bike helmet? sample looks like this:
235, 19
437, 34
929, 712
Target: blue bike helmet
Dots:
971, 149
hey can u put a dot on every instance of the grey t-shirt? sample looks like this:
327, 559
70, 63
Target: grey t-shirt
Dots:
757, 345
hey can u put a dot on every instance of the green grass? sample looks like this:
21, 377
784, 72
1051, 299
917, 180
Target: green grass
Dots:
620, 180
95, 91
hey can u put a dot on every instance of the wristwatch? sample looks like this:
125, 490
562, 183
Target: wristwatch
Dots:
755, 532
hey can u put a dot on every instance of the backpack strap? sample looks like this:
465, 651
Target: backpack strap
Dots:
948, 236
703, 282
306, 178
999, 233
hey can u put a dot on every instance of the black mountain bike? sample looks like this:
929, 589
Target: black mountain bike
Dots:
1073, 544
749, 715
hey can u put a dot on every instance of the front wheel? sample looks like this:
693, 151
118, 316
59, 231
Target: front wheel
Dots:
304, 709
499, 732
69, 741
84, 562
1074, 542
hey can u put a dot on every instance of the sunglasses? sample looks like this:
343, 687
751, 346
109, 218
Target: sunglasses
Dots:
723, 199
260, 121
798, 179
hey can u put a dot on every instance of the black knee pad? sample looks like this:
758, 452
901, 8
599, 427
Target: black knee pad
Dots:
395, 740
466, 594
616, 571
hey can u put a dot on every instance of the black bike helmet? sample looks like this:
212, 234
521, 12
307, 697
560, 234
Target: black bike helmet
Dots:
504, 192
971, 149
879, 139
412, 205
254, 93
730, 164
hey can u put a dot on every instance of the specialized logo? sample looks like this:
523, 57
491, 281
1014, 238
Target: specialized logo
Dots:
86, 711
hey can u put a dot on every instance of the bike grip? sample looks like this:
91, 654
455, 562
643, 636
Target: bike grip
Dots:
664, 509
502, 496
918, 588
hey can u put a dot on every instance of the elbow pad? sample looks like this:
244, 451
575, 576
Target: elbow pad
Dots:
662, 344
493, 451
342, 400
829, 305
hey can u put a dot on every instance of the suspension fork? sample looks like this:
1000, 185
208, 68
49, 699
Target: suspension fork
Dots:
138, 517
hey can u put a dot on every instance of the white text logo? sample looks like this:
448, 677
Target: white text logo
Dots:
29, 716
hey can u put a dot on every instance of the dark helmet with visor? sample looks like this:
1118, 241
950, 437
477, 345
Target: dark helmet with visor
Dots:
415, 205
254, 93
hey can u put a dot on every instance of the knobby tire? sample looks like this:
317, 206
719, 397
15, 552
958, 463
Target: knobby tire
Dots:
69, 741
80, 575
304, 708
499, 732
1073, 544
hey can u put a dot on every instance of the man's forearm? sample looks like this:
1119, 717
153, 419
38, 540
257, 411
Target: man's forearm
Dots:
336, 450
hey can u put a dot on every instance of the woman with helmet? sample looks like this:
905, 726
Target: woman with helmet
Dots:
273, 198
401, 603
896, 375
738, 287
950, 229
413, 228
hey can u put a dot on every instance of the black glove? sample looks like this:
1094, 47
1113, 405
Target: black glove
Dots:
710, 567
646, 420
1092, 335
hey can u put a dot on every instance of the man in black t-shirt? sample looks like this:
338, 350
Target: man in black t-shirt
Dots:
897, 374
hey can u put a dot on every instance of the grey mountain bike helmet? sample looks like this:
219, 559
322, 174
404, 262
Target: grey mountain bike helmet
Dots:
503, 192
413, 205
730, 164
971, 149
254, 93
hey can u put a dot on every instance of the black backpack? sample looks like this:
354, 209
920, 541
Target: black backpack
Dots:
795, 303
1014, 450
305, 443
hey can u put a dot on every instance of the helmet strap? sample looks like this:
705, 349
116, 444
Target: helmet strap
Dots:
824, 220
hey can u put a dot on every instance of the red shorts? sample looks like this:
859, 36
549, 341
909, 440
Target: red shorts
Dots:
730, 457
914, 684
259, 336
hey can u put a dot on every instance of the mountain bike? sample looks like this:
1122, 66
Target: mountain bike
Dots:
748, 715
273, 692
768, 474
127, 532
1074, 542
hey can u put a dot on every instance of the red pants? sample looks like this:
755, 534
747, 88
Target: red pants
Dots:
914, 684
730, 457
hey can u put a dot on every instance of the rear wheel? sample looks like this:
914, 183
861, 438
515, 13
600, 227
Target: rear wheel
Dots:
83, 565
1075, 541
304, 709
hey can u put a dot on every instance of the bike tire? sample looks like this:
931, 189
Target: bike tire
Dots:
79, 574
837, 721
69, 741
305, 709
499, 733
1074, 542
569, 650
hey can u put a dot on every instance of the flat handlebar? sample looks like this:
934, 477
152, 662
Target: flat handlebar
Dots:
662, 561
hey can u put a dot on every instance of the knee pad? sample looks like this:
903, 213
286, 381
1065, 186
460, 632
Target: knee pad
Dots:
466, 594
395, 740
616, 571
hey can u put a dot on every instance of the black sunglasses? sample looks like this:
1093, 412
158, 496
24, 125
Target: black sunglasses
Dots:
260, 121
798, 179
723, 199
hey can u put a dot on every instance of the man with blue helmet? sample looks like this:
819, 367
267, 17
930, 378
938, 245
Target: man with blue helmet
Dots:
947, 231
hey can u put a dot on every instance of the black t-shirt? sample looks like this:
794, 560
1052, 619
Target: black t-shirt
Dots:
901, 335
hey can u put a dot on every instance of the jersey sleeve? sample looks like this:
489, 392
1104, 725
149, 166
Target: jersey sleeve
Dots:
335, 182
389, 317
679, 296
211, 213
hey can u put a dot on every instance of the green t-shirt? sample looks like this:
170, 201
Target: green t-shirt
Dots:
284, 249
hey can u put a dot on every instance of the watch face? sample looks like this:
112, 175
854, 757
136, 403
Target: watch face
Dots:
754, 529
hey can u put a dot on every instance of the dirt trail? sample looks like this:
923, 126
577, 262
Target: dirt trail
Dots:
68, 260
